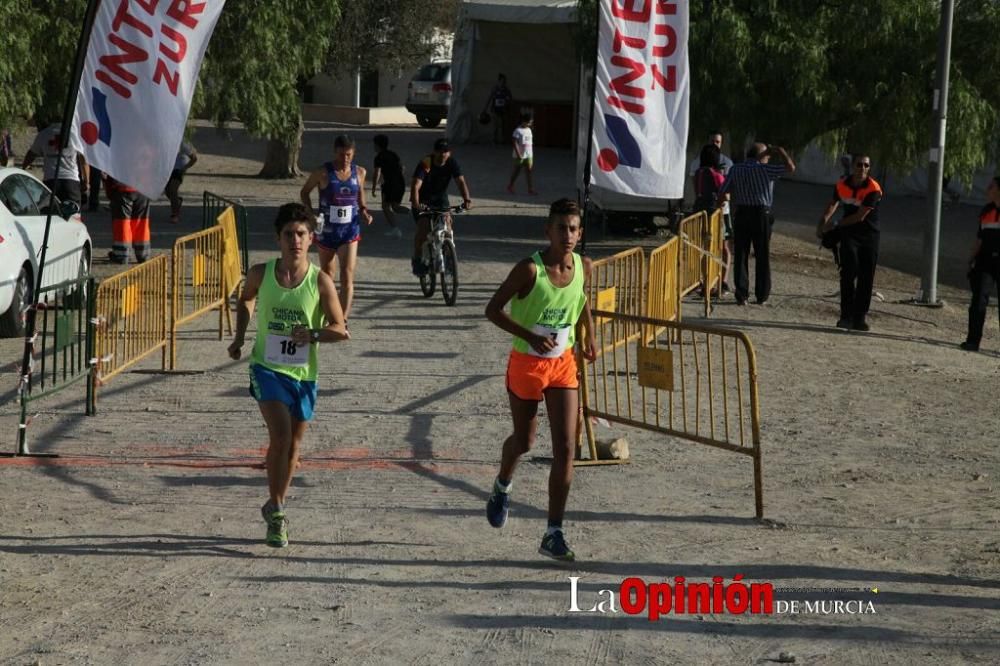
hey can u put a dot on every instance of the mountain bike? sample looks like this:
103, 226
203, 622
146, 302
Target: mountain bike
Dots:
439, 257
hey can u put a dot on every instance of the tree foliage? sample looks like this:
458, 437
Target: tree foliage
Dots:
853, 75
37, 46
259, 53
390, 34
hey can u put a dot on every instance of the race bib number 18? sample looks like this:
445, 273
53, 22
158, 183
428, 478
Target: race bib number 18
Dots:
282, 350
560, 336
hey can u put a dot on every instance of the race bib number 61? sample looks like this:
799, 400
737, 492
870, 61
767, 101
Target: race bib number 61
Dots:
341, 214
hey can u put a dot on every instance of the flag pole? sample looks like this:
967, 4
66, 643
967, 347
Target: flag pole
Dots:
24, 384
590, 127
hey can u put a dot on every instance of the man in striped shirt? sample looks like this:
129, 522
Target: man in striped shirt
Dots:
749, 184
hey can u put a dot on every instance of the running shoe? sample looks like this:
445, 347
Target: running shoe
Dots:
497, 507
418, 266
554, 546
277, 530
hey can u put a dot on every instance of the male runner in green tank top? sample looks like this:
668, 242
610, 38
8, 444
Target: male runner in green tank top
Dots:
547, 293
293, 298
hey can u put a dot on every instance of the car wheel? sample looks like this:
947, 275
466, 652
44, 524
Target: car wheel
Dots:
12, 321
429, 122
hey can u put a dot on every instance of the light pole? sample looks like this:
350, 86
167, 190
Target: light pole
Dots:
932, 232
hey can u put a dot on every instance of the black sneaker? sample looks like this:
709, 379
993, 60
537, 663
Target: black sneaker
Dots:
844, 323
554, 546
419, 269
861, 325
497, 507
968, 346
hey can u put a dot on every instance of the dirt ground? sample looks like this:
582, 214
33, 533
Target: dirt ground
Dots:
143, 543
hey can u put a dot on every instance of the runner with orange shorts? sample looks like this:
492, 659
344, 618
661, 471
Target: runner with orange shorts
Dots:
547, 296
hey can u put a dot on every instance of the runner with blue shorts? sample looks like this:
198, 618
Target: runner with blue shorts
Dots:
297, 307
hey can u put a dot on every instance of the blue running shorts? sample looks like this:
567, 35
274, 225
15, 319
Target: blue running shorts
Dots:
299, 397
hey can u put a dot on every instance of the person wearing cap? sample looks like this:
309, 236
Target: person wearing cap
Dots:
429, 189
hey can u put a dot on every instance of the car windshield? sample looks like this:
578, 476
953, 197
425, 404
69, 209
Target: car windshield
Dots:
433, 72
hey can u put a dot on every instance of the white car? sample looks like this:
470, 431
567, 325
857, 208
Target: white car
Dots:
24, 202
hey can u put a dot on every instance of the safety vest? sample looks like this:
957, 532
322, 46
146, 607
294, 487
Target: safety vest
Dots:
989, 218
855, 196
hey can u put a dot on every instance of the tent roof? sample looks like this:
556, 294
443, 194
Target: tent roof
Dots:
521, 11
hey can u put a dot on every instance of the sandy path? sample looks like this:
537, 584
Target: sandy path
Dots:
143, 543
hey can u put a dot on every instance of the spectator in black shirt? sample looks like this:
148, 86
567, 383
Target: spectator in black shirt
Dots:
429, 189
389, 170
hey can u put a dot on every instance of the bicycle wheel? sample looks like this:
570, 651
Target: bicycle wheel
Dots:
427, 283
449, 276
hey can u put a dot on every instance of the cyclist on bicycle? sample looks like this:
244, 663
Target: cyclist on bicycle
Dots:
430, 190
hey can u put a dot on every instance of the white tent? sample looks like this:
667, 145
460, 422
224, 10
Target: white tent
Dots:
531, 42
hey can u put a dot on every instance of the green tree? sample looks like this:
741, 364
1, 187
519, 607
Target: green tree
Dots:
390, 34
37, 44
853, 75
259, 53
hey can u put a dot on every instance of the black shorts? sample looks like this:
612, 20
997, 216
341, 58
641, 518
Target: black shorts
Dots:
65, 189
392, 193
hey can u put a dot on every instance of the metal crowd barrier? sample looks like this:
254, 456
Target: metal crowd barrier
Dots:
61, 353
663, 298
199, 283
131, 320
617, 284
696, 383
212, 206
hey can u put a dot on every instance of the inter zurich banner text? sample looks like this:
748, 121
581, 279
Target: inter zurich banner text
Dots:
138, 80
641, 99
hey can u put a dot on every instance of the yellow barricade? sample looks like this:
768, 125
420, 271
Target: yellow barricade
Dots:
692, 231
131, 317
617, 285
199, 282
696, 383
232, 266
663, 296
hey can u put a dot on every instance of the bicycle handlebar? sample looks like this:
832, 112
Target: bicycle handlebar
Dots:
451, 209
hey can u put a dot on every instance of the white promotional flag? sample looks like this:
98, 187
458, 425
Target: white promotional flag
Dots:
138, 80
641, 98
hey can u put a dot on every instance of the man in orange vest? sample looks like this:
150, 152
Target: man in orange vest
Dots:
855, 236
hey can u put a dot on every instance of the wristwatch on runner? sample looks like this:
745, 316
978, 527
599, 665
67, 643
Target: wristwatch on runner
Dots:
314, 335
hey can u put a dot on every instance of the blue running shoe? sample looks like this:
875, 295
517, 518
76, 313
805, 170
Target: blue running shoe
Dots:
554, 546
497, 507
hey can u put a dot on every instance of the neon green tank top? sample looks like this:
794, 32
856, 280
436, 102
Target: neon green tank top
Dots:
278, 311
548, 309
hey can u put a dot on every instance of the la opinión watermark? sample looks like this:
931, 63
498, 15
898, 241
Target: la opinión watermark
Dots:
636, 597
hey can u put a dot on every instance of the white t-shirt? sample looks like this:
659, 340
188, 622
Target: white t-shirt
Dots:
183, 155
46, 144
522, 136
